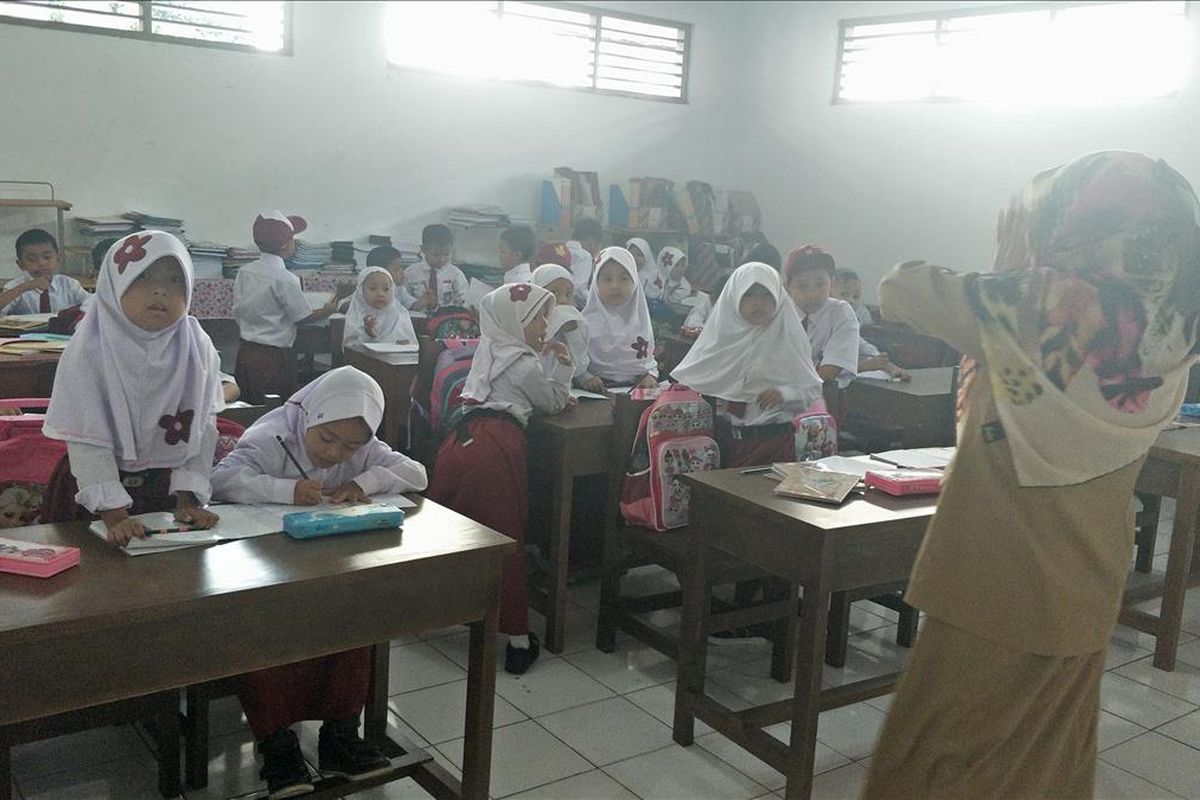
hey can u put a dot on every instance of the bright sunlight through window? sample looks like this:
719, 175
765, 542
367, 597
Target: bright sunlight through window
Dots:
1045, 53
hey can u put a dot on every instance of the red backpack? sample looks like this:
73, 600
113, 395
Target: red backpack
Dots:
28, 459
674, 437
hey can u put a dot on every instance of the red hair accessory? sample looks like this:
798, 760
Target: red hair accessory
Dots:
131, 251
519, 292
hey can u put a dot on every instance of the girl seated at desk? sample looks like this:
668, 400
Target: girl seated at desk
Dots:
481, 469
136, 394
621, 347
376, 314
567, 324
320, 445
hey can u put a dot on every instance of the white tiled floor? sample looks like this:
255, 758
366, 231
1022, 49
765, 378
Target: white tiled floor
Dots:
589, 725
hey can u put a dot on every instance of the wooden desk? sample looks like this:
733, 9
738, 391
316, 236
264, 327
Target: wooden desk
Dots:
396, 381
118, 627
29, 375
916, 413
563, 447
1172, 469
824, 549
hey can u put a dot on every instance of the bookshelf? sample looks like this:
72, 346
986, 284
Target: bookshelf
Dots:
59, 206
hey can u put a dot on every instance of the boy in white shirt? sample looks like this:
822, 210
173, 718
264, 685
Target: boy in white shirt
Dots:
268, 304
44, 291
517, 246
831, 324
433, 280
587, 241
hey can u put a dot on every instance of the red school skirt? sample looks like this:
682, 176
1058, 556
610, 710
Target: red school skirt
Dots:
480, 472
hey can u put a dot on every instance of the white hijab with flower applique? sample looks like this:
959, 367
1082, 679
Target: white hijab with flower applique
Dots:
393, 322
503, 315
142, 394
621, 349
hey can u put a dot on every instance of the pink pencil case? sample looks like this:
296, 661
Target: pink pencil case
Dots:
33, 558
900, 482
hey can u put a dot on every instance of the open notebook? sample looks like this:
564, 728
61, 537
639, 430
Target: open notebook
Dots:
237, 522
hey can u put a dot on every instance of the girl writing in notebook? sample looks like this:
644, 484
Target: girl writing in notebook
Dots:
318, 447
621, 347
566, 324
480, 468
136, 394
1076, 353
319, 444
753, 357
376, 313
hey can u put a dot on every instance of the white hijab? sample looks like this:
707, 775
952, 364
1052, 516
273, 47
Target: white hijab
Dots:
393, 321
146, 396
342, 393
621, 348
649, 266
735, 360
503, 315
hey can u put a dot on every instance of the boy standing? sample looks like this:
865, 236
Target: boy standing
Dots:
44, 291
433, 280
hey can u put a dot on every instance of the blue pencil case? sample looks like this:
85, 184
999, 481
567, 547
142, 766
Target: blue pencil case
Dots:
347, 519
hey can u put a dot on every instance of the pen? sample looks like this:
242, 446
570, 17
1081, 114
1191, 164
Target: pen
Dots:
157, 531
753, 470
303, 474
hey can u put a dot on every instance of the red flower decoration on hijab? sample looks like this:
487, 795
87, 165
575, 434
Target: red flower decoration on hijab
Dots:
668, 259
132, 250
178, 427
641, 347
519, 293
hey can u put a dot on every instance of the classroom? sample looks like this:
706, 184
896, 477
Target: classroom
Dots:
599, 400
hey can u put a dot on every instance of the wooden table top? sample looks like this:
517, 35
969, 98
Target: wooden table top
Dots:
927, 382
588, 415
13, 360
755, 491
1181, 446
108, 586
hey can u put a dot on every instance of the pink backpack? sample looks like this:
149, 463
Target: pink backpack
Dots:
816, 432
674, 437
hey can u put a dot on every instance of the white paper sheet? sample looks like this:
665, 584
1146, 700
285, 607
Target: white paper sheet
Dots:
583, 394
917, 457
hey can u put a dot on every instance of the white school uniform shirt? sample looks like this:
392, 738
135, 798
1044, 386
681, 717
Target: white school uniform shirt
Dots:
864, 314
452, 284
581, 271
268, 302
259, 471
64, 290
833, 333
698, 316
521, 273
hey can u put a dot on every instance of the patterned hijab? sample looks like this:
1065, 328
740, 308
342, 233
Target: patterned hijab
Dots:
1089, 326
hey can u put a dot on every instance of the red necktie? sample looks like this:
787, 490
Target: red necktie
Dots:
44, 302
804, 322
433, 286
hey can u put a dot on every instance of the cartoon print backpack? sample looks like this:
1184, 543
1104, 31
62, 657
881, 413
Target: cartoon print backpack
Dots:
674, 437
452, 322
816, 432
28, 459
449, 376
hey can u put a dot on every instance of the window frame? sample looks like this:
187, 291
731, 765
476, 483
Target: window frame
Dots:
940, 18
599, 13
146, 36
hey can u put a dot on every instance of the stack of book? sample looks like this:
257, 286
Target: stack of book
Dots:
478, 215
235, 257
208, 258
104, 227
157, 222
310, 256
342, 252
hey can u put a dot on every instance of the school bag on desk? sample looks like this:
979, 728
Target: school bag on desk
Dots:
28, 460
674, 437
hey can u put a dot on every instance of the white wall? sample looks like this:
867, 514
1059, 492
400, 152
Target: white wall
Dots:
877, 184
332, 132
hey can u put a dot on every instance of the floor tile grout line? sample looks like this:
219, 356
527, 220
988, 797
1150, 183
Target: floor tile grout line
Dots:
1134, 774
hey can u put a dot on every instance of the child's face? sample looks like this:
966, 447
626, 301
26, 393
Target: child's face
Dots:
436, 255
563, 291
332, 443
509, 258
377, 289
639, 257
809, 289
614, 285
289, 249
39, 259
396, 268
535, 329
757, 305
679, 268
157, 298
850, 291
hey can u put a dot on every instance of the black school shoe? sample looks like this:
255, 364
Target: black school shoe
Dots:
341, 751
283, 768
518, 660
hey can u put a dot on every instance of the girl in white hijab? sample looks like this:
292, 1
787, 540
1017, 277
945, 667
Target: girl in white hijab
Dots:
481, 468
621, 349
327, 430
647, 266
672, 266
137, 390
566, 324
376, 313
754, 358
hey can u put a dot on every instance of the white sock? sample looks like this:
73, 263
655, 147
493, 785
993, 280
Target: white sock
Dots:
520, 642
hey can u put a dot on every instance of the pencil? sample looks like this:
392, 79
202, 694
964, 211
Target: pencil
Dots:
303, 474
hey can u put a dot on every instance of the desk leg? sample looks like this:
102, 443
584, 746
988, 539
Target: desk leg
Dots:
806, 702
693, 635
481, 699
6, 792
1179, 565
167, 731
560, 556
376, 712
